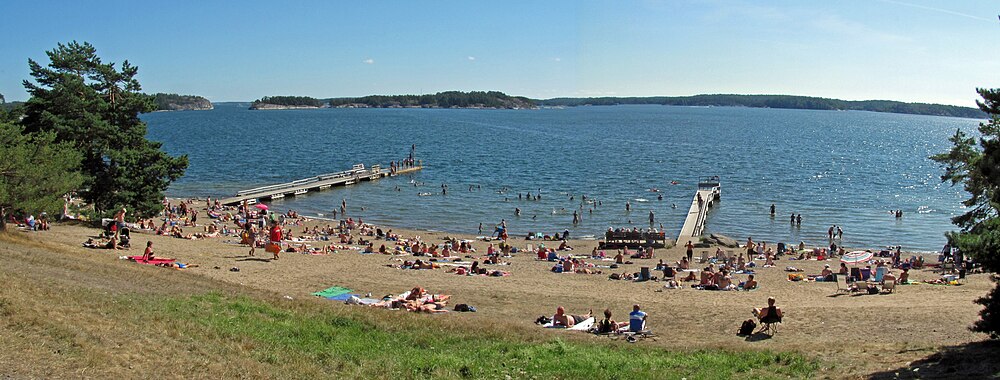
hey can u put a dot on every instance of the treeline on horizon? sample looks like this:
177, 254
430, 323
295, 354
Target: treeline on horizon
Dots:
293, 101
447, 99
776, 101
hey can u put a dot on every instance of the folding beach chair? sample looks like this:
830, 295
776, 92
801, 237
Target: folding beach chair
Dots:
847, 285
704, 257
879, 273
769, 324
889, 286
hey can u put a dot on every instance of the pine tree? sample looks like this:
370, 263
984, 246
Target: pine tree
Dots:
95, 106
977, 168
35, 173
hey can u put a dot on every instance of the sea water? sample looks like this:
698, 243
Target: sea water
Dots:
835, 168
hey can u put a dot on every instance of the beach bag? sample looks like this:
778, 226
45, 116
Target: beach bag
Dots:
272, 247
747, 327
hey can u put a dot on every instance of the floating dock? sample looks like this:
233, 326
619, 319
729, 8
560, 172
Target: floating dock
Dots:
321, 182
709, 191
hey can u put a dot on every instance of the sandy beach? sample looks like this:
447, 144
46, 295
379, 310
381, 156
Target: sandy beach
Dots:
867, 332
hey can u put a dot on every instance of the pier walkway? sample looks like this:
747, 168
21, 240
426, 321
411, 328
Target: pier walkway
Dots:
321, 182
709, 191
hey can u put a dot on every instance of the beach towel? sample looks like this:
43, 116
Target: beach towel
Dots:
154, 261
582, 326
332, 291
342, 297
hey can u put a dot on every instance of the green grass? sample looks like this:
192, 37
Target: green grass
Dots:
373, 343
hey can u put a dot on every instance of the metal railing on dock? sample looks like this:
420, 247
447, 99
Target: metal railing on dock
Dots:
709, 191
321, 182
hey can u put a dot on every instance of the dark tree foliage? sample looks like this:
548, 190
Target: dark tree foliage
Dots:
95, 106
776, 101
448, 99
977, 168
2, 99
295, 101
35, 173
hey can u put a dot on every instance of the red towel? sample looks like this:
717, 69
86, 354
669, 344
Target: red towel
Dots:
153, 261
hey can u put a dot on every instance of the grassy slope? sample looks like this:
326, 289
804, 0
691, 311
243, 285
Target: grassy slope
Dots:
62, 314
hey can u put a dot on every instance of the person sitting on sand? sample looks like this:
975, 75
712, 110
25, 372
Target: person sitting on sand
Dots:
620, 258
749, 284
726, 283
684, 264
566, 320
843, 269
826, 274
770, 262
564, 246
904, 277
383, 250
607, 325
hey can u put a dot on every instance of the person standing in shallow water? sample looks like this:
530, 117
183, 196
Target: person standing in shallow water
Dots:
652, 218
628, 206
772, 209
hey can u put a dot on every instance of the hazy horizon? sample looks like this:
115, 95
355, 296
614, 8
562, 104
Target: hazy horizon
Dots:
909, 51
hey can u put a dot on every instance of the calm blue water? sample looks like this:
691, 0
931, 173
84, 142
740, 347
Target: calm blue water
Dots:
844, 168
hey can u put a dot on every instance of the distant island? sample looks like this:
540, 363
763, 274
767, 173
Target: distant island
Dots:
447, 99
286, 102
174, 102
776, 101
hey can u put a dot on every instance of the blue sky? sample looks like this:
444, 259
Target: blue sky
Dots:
909, 50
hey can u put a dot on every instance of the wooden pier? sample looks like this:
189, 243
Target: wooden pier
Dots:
709, 191
321, 182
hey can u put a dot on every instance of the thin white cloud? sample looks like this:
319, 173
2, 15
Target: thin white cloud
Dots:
471, 58
939, 10
369, 61
836, 24
557, 59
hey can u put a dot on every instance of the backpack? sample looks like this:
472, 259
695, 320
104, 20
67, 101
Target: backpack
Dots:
747, 327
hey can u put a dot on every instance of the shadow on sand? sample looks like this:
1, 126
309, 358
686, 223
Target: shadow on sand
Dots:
977, 360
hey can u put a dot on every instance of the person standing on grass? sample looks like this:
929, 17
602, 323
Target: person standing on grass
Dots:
119, 222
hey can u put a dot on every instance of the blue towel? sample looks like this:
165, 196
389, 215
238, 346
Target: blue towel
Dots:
342, 297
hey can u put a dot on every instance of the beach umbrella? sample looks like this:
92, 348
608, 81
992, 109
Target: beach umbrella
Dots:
261, 206
857, 257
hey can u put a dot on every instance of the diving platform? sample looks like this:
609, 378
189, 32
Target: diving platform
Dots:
709, 191
303, 186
